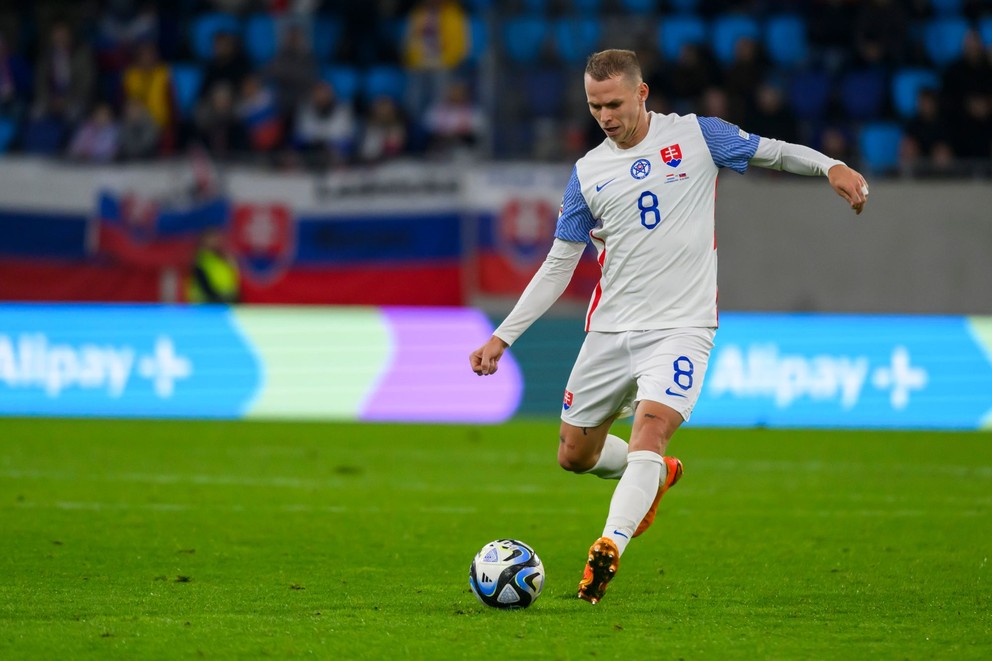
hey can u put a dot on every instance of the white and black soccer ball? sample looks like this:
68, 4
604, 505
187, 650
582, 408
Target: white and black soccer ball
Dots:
506, 573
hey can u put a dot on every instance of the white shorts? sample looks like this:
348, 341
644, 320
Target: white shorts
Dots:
614, 371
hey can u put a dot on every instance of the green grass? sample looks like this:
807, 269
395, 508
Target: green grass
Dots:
250, 540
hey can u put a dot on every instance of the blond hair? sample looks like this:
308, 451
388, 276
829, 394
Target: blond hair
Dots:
614, 62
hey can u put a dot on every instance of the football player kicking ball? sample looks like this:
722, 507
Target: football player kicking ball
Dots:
646, 199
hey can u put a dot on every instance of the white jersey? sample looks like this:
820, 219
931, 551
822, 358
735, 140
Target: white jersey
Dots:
649, 211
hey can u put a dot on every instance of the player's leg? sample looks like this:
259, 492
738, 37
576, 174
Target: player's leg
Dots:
649, 473
598, 388
668, 385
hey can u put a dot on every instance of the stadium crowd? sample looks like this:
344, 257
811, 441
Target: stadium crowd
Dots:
892, 86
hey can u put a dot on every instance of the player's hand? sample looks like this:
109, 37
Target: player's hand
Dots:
485, 359
850, 185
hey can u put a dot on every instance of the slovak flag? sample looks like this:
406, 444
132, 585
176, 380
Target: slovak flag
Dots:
567, 403
672, 155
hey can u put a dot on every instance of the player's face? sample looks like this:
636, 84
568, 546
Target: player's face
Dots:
617, 104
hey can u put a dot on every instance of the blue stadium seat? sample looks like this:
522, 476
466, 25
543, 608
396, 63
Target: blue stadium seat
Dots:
863, 93
576, 38
809, 94
345, 80
44, 136
523, 38
945, 7
684, 6
325, 36
7, 130
943, 39
879, 144
785, 40
985, 30
261, 38
677, 31
638, 6
479, 29
728, 30
906, 86
479, 6
384, 80
586, 7
544, 89
206, 26
539, 7
186, 79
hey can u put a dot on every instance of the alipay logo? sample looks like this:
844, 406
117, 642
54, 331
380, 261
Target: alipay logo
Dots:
761, 371
33, 361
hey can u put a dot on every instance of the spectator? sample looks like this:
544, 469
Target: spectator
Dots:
454, 124
829, 27
769, 116
97, 138
836, 142
228, 64
122, 27
971, 138
149, 80
880, 32
65, 78
293, 71
744, 74
365, 39
325, 127
436, 42
259, 114
139, 134
970, 74
694, 72
15, 82
215, 277
715, 102
384, 135
217, 126
925, 145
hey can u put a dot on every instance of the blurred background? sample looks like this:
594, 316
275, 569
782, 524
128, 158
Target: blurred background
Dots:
414, 152
894, 87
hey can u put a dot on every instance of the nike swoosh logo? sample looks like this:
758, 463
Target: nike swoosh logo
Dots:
673, 394
617, 532
603, 185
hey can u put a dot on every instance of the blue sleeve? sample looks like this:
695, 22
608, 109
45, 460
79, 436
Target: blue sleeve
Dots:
575, 220
730, 146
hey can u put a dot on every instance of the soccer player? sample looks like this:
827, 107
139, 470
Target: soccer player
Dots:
646, 198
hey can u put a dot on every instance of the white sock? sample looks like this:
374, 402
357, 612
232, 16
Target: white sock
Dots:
633, 496
612, 460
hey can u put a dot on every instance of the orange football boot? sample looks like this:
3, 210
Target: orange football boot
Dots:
604, 559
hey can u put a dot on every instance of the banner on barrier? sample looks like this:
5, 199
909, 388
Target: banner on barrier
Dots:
384, 364
410, 364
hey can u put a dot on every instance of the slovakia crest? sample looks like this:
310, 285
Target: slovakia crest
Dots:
264, 239
672, 155
567, 403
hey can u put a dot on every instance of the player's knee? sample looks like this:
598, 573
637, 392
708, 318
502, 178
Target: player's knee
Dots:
572, 457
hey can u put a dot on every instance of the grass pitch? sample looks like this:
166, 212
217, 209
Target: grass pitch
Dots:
249, 540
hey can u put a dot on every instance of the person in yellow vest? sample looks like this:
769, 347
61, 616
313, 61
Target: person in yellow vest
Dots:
149, 81
437, 41
215, 277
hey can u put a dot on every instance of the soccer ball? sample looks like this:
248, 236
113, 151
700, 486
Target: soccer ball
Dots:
506, 574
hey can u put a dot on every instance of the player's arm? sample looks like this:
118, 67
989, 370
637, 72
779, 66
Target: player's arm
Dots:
571, 236
799, 159
543, 290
